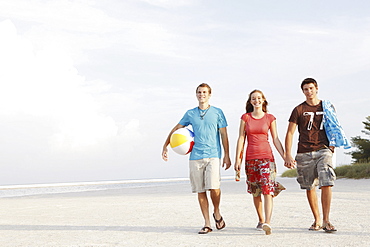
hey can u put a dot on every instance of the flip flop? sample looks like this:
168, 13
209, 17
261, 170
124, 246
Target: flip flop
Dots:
315, 227
329, 228
205, 230
220, 224
259, 226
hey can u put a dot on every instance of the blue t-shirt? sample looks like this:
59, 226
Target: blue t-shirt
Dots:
206, 131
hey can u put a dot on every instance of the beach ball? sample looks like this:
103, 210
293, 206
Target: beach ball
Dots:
182, 141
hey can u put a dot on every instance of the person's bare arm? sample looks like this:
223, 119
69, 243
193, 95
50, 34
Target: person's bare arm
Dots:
225, 143
289, 161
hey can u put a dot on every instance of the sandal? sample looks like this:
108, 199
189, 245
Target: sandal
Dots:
267, 228
315, 227
259, 226
329, 228
205, 230
219, 223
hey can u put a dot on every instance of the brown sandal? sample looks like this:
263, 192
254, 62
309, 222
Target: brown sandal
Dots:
220, 224
315, 227
329, 228
205, 230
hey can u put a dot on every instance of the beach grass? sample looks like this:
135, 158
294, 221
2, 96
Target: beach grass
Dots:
355, 171
291, 173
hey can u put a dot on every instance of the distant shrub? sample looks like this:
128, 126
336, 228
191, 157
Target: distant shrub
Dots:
355, 171
291, 173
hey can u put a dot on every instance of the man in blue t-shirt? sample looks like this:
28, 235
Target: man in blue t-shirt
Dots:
209, 124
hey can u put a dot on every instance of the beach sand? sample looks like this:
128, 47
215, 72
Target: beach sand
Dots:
170, 216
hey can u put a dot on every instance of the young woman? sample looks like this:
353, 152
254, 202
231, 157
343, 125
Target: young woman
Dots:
259, 160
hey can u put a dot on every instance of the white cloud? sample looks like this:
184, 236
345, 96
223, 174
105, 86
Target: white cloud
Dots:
80, 16
45, 83
58, 22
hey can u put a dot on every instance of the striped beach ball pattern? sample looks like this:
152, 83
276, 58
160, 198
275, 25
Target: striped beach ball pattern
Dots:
182, 141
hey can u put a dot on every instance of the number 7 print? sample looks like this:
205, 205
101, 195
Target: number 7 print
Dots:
312, 115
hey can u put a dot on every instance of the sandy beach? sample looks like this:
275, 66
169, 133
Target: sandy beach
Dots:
170, 216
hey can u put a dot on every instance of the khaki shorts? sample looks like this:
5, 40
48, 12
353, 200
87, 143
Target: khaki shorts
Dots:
204, 174
315, 168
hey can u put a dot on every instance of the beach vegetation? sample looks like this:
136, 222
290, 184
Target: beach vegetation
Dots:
354, 171
291, 173
362, 145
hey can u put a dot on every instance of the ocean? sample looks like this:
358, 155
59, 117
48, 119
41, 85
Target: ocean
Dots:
7, 191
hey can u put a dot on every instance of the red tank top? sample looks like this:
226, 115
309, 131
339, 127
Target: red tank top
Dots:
257, 136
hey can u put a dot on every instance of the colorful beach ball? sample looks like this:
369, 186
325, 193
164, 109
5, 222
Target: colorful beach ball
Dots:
182, 141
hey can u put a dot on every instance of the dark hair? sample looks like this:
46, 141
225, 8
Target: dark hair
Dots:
249, 106
204, 85
308, 81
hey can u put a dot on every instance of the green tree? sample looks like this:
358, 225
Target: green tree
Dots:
362, 154
367, 126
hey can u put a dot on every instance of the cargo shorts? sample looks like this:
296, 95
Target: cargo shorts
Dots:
315, 168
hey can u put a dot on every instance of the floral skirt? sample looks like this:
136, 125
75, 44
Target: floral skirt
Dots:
261, 174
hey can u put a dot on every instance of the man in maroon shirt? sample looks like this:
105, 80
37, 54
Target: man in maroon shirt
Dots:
314, 156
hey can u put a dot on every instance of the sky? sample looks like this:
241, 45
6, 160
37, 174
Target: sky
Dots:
89, 90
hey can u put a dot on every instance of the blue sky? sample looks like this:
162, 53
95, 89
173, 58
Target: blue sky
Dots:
90, 89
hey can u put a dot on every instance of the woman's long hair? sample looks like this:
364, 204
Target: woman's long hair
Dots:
249, 106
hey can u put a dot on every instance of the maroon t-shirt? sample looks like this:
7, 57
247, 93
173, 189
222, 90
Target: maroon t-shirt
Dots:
309, 119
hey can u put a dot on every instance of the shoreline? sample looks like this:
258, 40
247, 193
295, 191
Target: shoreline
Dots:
59, 188
129, 181
8, 191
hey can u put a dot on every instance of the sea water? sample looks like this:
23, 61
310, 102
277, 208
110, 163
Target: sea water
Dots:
40, 189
